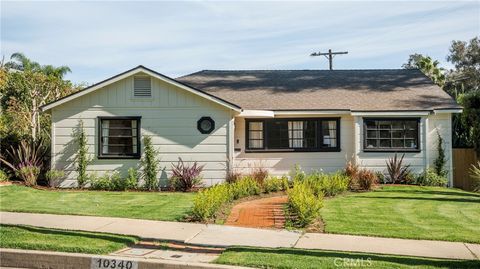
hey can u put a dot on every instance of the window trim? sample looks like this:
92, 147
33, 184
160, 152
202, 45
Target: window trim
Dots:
265, 130
406, 150
101, 155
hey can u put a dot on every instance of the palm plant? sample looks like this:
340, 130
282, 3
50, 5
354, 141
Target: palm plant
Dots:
475, 173
26, 160
396, 170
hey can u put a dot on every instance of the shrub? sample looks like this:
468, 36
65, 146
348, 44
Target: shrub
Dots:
29, 173
297, 173
185, 177
381, 177
3, 176
131, 181
53, 176
303, 204
328, 184
259, 174
208, 201
366, 179
100, 183
396, 170
475, 173
274, 184
244, 187
233, 176
82, 158
440, 161
351, 169
430, 178
149, 165
26, 160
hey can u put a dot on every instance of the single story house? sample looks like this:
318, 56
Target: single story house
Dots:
240, 120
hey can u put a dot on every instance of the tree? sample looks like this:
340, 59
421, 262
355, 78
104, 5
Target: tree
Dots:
22, 95
466, 58
22, 63
428, 66
471, 116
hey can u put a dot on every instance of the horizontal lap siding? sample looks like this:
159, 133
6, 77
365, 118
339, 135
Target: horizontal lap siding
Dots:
281, 163
441, 123
170, 117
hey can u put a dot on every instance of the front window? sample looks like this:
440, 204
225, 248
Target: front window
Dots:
119, 137
293, 134
391, 134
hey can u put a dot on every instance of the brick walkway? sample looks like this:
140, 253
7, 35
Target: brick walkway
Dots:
260, 213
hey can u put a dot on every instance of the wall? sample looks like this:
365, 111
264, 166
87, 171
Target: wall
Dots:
170, 117
280, 163
351, 133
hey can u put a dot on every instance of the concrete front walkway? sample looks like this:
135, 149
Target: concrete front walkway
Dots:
217, 235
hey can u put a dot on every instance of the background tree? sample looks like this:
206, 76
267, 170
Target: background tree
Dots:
462, 83
428, 66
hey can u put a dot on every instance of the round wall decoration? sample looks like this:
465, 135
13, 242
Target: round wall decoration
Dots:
205, 125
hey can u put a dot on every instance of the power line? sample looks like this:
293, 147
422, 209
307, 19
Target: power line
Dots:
329, 55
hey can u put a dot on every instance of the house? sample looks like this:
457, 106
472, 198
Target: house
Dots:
240, 120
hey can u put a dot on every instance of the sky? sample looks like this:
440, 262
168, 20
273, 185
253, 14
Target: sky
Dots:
100, 39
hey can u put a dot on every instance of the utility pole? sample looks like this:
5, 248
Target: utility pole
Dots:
329, 55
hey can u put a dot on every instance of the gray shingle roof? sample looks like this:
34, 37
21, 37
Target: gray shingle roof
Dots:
356, 90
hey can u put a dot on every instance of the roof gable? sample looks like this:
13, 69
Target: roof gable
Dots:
133, 71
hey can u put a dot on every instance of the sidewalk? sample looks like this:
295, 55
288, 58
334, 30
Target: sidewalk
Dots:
218, 235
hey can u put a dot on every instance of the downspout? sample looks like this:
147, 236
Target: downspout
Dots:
426, 154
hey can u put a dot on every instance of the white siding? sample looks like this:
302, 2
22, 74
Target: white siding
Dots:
170, 116
351, 133
280, 163
418, 161
441, 123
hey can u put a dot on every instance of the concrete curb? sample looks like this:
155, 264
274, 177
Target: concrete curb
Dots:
61, 260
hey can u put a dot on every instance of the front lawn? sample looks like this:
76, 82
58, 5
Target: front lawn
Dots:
25, 237
141, 205
286, 258
406, 212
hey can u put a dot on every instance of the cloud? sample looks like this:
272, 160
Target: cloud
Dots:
99, 39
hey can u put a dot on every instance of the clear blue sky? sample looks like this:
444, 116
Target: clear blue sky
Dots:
100, 39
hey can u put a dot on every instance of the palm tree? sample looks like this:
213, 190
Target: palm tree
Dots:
20, 62
430, 68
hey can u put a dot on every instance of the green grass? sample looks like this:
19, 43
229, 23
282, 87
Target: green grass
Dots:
301, 259
141, 205
406, 212
26, 237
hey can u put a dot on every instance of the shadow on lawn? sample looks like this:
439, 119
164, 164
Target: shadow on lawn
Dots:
107, 237
440, 199
409, 261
